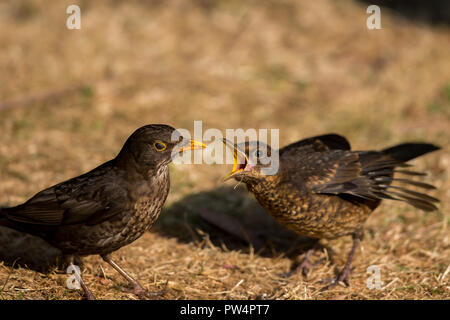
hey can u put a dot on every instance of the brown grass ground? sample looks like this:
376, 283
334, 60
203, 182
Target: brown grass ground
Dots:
70, 98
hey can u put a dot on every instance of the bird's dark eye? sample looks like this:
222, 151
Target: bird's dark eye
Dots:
258, 153
159, 146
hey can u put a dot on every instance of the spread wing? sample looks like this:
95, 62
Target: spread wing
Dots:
89, 198
364, 175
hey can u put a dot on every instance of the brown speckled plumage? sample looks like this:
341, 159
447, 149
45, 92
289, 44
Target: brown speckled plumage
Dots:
323, 190
106, 208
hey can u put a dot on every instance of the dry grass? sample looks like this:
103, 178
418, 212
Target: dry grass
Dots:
70, 98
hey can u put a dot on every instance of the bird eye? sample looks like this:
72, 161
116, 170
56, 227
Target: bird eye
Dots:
258, 153
159, 146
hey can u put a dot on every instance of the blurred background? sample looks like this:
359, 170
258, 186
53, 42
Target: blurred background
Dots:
70, 98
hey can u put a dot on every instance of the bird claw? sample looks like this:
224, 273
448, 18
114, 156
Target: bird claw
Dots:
343, 277
304, 267
90, 296
142, 293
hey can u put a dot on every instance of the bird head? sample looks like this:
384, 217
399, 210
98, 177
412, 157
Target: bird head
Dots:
253, 161
156, 144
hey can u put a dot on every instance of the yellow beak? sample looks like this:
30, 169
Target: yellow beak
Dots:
240, 160
193, 144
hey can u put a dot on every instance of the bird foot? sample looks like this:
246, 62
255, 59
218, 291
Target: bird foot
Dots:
304, 267
142, 293
343, 277
89, 296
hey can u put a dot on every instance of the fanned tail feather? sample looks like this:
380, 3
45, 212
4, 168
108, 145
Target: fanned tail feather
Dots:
381, 170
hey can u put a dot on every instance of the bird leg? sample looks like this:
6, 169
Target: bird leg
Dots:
344, 275
89, 295
305, 265
136, 289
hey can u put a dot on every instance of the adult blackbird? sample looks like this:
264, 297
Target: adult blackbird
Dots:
322, 189
108, 207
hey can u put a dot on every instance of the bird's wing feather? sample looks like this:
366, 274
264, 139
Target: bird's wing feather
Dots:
338, 172
318, 143
89, 198
43, 209
366, 175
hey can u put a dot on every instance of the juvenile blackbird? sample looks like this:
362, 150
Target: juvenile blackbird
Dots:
323, 190
108, 207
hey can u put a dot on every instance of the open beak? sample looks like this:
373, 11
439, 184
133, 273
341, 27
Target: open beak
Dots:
192, 145
240, 160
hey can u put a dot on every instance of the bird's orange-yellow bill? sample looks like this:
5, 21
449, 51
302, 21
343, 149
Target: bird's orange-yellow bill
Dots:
193, 144
240, 160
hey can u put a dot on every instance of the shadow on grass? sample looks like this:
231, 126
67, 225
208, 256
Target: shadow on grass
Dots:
19, 249
229, 217
225, 216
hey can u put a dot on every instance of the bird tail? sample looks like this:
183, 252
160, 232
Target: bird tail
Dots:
408, 151
382, 170
4, 221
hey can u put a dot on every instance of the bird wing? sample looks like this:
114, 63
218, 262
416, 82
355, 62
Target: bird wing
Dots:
325, 142
365, 175
89, 198
340, 172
